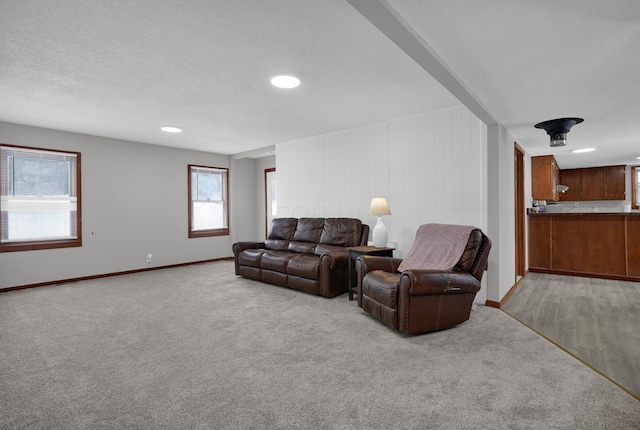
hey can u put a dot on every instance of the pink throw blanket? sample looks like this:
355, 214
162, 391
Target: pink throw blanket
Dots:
437, 247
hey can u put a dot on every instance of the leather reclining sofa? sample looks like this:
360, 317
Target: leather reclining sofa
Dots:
307, 254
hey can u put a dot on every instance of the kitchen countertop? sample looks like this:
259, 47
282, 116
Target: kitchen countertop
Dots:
632, 213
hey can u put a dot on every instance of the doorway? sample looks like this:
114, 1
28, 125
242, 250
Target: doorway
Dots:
518, 155
270, 198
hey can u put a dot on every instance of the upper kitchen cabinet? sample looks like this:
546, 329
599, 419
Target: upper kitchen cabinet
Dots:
594, 183
572, 178
613, 187
544, 177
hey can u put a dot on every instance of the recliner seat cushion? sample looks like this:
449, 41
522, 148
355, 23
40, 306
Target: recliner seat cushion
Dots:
276, 261
304, 266
251, 257
301, 247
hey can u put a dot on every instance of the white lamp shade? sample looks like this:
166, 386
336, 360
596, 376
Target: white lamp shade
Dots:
379, 206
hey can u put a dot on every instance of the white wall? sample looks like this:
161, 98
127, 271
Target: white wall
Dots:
134, 202
501, 202
430, 167
242, 198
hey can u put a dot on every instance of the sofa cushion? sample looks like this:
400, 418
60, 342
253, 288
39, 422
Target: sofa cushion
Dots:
276, 261
304, 266
251, 257
277, 244
322, 248
309, 230
301, 247
282, 228
341, 231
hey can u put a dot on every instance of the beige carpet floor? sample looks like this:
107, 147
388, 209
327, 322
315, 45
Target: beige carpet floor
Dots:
199, 348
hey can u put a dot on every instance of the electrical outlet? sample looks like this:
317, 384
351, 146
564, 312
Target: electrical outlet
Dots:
149, 256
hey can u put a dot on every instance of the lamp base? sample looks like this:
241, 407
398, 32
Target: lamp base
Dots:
380, 237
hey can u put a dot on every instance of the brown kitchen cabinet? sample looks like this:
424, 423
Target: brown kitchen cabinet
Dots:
600, 245
544, 178
614, 183
572, 178
594, 183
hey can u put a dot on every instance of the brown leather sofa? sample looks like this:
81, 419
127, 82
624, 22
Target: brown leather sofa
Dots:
417, 300
306, 254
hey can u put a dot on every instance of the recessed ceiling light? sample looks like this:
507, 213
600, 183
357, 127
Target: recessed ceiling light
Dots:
577, 151
171, 129
285, 81
638, 157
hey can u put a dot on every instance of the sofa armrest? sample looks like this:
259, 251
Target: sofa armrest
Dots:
238, 247
334, 258
437, 282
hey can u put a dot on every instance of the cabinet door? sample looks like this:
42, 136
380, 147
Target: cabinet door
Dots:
572, 178
592, 183
544, 177
613, 183
540, 241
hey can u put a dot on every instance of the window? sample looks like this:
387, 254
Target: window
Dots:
635, 187
39, 199
208, 201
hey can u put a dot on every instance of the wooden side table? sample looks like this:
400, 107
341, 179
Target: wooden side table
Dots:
355, 252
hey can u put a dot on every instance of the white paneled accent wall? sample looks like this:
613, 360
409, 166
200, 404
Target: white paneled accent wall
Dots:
429, 167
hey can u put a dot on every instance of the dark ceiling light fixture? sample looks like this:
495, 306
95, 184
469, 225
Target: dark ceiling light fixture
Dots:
558, 129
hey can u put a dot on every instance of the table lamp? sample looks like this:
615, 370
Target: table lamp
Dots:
379, 207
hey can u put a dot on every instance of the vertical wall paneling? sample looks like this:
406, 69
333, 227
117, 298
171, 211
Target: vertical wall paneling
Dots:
428, 166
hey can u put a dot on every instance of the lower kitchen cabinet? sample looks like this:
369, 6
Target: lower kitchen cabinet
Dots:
598, 245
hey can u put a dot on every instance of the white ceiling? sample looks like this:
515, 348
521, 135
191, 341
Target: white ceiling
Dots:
122, 69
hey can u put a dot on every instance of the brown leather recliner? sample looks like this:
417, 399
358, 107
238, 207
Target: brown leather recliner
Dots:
417, 300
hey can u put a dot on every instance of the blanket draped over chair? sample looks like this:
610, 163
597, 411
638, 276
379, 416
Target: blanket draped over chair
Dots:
437, 247
433, 288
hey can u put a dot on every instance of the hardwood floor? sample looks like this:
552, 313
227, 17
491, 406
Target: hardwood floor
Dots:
596, 320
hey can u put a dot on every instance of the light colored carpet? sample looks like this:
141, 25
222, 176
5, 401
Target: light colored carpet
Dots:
198, 348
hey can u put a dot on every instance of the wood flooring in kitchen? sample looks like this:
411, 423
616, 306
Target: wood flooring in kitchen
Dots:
596, 320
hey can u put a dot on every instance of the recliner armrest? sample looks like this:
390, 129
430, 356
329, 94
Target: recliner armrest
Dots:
437, 282
373, 262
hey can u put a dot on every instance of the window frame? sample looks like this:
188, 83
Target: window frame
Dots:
40, 244
635, 173
225, 201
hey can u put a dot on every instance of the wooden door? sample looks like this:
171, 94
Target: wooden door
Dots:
270, 198
519, 211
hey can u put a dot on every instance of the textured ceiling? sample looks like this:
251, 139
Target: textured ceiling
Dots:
122, 69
